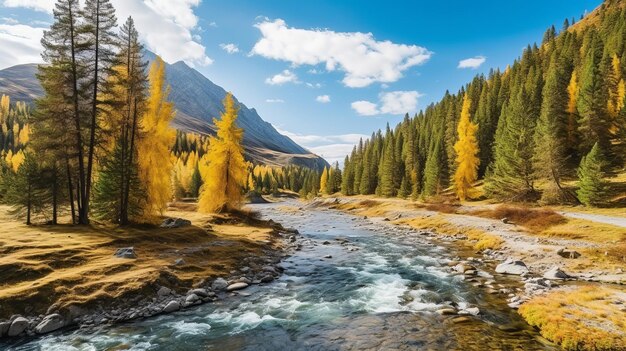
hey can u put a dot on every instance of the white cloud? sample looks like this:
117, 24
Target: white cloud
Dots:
165, 27
392, 103
19, 43
275, 101
37, 5
363, 59
314, 85
281, 78
333, 148
324, 99
230, 48
213, 24
9, 20
365, 108
473, 62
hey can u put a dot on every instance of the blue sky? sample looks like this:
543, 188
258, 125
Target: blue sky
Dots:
310, 67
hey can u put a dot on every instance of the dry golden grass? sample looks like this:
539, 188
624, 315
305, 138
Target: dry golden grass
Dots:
535, 219
587, 230
585, 318
439, 207
441, 225
74, 265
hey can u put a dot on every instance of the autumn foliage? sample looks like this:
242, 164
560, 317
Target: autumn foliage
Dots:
227, 173
467, 153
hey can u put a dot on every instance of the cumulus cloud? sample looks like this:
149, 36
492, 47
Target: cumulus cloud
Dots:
392, 103
230, 48
365, 108
275, 101
19, 43
324, 99
363, 59
165, 26
473, 62
281, 78
37, 5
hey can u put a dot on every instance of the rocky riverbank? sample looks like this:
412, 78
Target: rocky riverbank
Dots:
244, 251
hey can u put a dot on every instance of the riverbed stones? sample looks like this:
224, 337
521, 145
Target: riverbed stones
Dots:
461, 319
555, 273
171, 306
191, 299
50, 323
219, 284
199, 292
126, 252
474, 311
511, 266
237, 286
18, 326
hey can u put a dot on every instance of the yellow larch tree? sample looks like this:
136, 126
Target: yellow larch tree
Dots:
324, 180
572, 94
617, 93
466, 148
227, 173
155, 161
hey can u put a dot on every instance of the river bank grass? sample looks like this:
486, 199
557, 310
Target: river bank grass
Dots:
55, 268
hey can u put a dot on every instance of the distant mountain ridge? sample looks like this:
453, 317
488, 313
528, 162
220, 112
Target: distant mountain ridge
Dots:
198, 100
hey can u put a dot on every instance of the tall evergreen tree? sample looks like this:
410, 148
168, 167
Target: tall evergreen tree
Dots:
592, 186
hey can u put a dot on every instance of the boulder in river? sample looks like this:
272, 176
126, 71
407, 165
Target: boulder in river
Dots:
511, 266
237, 286
4, 328
555, 273
50, 323
18, 326
126, 252
446, 311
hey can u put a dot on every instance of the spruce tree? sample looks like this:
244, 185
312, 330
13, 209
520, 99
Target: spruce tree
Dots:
592, 187
432, 171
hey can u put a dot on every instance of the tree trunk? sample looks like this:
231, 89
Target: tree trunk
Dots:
70, 190
54, 196
83, 217
94, 108
28, 205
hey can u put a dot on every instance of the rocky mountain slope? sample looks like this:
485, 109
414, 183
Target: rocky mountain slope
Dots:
198, 101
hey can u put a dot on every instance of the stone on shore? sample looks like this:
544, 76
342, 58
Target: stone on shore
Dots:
555, 273
171, 306
511, 266
4, 328
567, 253
164, 291
175, 223
219, 284
50, 323
18, 326
237, 286
126, 252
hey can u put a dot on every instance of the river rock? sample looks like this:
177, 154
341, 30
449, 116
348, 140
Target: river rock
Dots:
164, 291
179, 262
191, 299
237, 286
511, 266
4, 328
566, 253
219, 284
175, 223
199, 292
126, 252
461, 319
474, 311
171, 306
18, 325
555, 273
446, 311
50, 323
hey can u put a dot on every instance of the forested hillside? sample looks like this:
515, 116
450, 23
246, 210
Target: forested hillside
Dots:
551, 127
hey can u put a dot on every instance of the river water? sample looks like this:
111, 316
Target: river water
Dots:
377, 291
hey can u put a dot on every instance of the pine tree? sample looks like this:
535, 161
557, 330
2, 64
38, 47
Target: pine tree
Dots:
387, 169
226, 177
592, 187
551, 133
155, 166
98, 29
466, 149
24, 189
432, 171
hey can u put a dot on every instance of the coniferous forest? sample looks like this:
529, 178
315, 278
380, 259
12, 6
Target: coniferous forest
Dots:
533, 127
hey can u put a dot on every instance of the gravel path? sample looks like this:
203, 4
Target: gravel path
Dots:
616, 221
